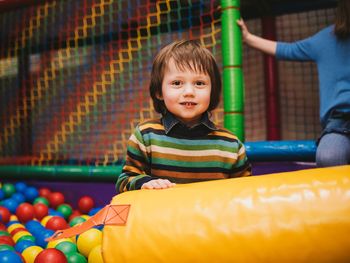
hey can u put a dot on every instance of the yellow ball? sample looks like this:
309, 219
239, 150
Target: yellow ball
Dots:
86, 217
45, 219
20, 234
88, 240
30, 253
13, 218
95, 255
14, 226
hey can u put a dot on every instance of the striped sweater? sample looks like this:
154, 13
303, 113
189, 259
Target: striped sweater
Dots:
165, 148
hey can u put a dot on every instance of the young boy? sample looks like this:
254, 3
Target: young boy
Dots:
183, 146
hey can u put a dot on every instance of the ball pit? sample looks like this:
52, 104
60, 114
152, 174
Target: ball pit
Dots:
28, 216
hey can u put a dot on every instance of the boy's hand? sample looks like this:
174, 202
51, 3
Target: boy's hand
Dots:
158, 184
245, 32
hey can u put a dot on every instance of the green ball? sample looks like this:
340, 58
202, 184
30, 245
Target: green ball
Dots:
76, 220
42, 200
4, 233
67, 247
76, 257
65, 209
4, 247
28, 238
8, 189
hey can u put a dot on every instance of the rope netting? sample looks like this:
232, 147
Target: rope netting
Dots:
74, 75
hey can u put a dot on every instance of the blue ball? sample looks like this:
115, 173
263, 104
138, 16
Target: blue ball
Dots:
9, 256
19, 197
53, 212
40, 239
2, 194
34, 227
11, 204
23, 244
94, 211
31, 193
20, 187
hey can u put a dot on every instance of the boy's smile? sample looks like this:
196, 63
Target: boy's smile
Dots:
186, 93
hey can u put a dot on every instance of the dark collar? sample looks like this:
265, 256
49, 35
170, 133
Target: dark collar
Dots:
170, 121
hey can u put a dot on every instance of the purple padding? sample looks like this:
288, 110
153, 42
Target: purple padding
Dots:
102, 193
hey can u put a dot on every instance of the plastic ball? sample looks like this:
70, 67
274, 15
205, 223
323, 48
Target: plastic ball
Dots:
40, 211
53, 212
13, 226
85, 204
44, 192
67, 247
93, 211
9, 256
27, 238
76, 220
4, 247
30, 253
20, 187
19, 197
95, 255
17, 230
4, 215
56, 223
20, 234
54, 243
31, 193
6, 240
88, 240
65, 209
4, 233
25, 212
42, 200
76, 257
8, 189
40, 240
10, 204
34, 226
56, 199
22, 245
2, 226
45, 219
74, 214
2, 194
50, 255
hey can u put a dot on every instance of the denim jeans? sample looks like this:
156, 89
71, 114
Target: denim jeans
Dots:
334, 145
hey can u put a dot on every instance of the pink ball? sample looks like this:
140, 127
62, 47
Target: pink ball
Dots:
25, 212
85, 204
56, 223
51, 255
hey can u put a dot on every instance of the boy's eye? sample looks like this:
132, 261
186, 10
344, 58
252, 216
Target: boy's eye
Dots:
176, 83
200, 83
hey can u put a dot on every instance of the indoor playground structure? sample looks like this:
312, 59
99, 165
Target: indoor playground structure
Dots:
74, 79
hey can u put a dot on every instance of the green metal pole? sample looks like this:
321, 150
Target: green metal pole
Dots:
232, 68
61, 173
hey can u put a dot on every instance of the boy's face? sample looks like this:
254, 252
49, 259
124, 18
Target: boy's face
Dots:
186, 94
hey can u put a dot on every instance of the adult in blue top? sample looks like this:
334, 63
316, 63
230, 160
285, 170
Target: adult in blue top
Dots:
330, 50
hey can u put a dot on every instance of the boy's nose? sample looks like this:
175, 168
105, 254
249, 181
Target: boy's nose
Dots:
189, 90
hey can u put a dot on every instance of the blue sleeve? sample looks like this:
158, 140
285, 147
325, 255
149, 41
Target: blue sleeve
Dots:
303, 50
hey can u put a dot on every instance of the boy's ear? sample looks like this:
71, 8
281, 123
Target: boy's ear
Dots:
159, 96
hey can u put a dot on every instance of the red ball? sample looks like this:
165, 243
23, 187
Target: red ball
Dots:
56, 223
85, 204
7, 240
41, 210
75, 213
2, 226
50, 255
44, 192
18, 229
56, 199
25, 212
4, 215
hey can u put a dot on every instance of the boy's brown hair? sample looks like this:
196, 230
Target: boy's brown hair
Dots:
342, 19
187, 55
